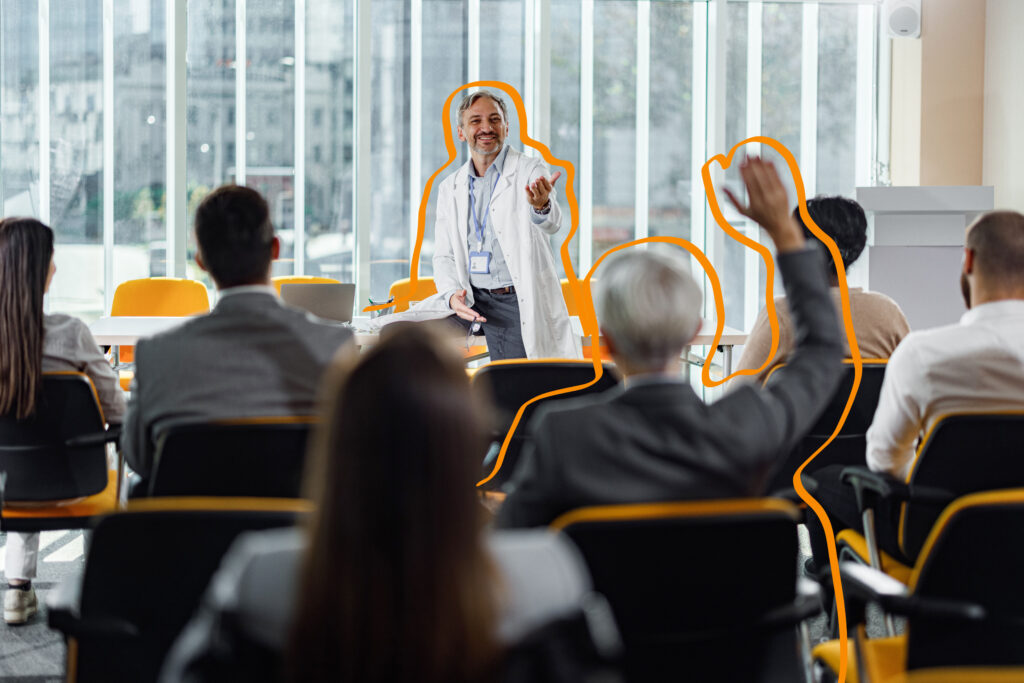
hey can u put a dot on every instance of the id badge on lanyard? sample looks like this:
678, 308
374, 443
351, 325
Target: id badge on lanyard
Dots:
480, 260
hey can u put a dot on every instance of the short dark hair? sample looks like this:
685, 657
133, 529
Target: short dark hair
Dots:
997, 239
470, 99
843, 220
235, 235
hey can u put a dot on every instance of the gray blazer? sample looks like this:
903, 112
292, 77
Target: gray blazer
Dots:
658, 441
543, 578
250, 356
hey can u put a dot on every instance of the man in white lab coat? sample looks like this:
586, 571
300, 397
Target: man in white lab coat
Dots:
492, 261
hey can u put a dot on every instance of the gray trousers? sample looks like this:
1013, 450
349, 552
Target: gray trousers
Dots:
503, 329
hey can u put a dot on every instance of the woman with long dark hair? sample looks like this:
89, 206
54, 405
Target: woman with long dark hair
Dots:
31, 343
395, 577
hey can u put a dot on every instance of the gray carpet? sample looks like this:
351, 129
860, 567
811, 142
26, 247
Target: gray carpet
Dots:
32, 653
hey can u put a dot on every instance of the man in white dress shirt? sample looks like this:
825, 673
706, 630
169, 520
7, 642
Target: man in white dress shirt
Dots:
975, 365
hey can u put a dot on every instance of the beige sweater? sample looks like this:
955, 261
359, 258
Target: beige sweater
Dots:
878, 323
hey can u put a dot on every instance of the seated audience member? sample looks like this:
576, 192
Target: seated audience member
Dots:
975, 365
395, 577
878, 321
251, 356
31, 343
657, 440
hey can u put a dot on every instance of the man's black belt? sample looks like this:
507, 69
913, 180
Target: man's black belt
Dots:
502, 290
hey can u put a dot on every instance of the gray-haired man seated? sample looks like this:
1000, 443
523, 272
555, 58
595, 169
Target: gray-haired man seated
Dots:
656, 440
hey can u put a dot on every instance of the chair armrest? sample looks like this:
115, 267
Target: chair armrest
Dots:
789, 493
869, 487
870, 585
63, 603
804, 606
95, 439
63, 607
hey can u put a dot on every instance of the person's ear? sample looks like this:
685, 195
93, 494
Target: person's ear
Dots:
610, 343
462, 136
275, 248
49, 275
199, 261
968, 261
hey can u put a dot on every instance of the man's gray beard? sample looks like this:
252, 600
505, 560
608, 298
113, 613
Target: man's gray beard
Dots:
486, 153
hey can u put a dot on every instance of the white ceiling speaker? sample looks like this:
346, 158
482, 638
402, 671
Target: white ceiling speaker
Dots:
902, 18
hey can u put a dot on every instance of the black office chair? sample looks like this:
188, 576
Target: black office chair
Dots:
701, 591
261, 457
145, 572
964, 607
511, 383
850, 444
56, 455
963, 453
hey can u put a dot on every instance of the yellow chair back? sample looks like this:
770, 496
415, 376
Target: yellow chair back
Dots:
158, 296
423, 289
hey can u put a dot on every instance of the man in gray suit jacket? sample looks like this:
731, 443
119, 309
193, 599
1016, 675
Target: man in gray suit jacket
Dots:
656, 440
250, 356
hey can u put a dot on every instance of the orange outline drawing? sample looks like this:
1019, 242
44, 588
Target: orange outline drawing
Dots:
588, 318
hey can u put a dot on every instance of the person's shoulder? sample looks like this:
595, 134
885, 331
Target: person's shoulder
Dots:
565, 412
544, 575
190, 329
265, 565
877, 301
63, 324
448, 182
921, 349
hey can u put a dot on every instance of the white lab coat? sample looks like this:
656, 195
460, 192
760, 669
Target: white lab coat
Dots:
545, 320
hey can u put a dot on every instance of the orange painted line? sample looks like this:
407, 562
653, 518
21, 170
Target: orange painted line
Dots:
588, 317
855, 356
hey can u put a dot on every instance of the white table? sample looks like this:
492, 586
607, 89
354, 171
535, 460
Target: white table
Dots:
126, 330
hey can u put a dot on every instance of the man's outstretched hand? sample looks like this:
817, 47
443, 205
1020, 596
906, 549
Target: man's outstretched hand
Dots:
769, 204
458, 304
538, 191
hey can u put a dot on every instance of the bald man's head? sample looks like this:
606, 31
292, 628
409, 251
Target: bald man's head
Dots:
996, 260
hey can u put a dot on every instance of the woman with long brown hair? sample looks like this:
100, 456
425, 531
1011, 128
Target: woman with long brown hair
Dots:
31, 343
395, 577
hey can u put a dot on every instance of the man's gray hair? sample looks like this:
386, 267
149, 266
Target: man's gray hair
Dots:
470, 99
649, 304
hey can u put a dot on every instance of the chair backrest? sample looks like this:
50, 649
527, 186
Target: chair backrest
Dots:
423, 289
975, 553
157, 296
262, 457
160, 296
570, 299
147, 567
850, 445
511, 383
281, 280
33, 452
685, 579
962, 453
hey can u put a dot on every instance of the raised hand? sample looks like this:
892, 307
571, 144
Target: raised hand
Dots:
769, 203
538, 191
